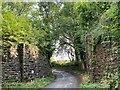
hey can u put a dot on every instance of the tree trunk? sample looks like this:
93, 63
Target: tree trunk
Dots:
49, 54
76, 58
82, 56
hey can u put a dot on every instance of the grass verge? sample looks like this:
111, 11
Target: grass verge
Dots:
37, 83
90, 85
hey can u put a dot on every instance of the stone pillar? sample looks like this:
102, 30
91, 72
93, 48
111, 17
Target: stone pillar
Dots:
10, 64
89, 55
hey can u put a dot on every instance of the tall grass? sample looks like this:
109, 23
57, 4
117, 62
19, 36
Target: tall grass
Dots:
36, 84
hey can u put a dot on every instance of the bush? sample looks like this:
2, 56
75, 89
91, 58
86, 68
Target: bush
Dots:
90, 85
64, 63
111, 81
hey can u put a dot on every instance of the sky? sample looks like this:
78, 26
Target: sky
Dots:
62, 56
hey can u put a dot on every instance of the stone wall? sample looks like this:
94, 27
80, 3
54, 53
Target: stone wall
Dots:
10, 64
104, 61
34, 64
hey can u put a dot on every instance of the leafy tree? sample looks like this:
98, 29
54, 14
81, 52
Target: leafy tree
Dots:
47, 12
77, 27
15, 28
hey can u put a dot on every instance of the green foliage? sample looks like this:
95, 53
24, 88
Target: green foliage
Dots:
44, 24
52, 59
37, 83
90, 85
67, 65
110, 81
61, 63
16, 29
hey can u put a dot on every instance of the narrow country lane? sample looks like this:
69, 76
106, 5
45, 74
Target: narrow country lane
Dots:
64, 80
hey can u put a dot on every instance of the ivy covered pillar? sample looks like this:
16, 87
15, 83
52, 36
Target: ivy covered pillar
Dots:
89, 55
